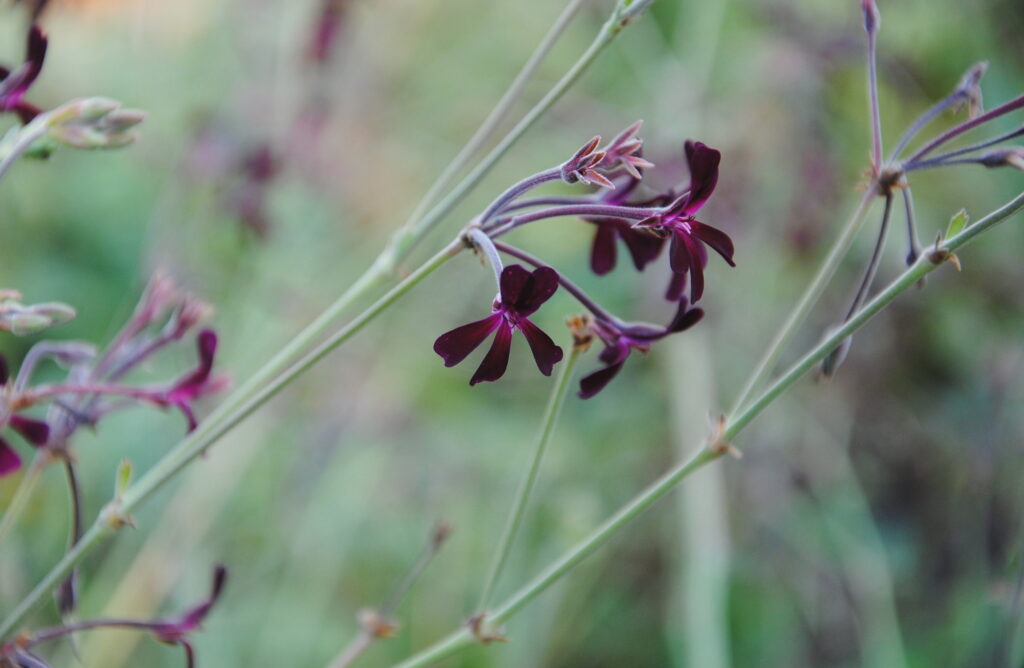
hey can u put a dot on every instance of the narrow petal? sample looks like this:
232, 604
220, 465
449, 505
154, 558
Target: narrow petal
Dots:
679, 257
676, 287
35, 53
4, 373
696, 267
596, 381
602, 255
685, 318
456, 345
542, 284
496, 361
643, 247
545, 352
703, 161
9, 459
35, 432
715, 238
513, 281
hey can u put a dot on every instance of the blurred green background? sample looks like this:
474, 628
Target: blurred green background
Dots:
873, 517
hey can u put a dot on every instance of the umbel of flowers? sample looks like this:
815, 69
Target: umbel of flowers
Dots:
618, 211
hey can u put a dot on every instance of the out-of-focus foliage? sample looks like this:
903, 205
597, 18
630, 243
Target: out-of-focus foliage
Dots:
907, 464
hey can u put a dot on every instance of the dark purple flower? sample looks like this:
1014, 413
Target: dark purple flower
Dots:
196, 383
14, 84
175, 631
643, 245
620, 341
326, 30
522, 293
36, 432
687, 253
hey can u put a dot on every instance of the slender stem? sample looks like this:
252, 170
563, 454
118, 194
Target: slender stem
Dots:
23, 493
583, 298
410, 234
876, 116
27, 136
500, 111
876, 255
559, 392
913, 246
924, 119
958, 130
705, 454
1012, 134
551, 200
595, 210
483, 243
518, 189
59, 631
807, 300
208, 433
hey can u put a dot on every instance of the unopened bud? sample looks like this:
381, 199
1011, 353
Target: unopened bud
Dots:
93, 123
1010, 156
872, 19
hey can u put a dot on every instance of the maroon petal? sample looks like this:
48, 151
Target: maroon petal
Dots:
703, 161
4, 73
514, 279
715, 238
496, 361
4, 372
596, 381
679, 257
35, 432
9, 459
206, 344
602, 255
685, 317
456, 345
35, 54
643, 247
676, 287
545, 352
26, 112
698, 259
542, 284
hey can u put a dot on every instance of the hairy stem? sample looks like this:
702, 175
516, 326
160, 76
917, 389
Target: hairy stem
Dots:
559, 392
707, 453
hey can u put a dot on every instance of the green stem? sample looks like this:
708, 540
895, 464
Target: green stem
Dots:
26, 486
705, 454
201, 439
515, 517
27, 136
410, 234
807, 300
500, 111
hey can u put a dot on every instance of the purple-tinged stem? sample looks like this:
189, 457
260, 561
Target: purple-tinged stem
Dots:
913, 247
1003, 109
569, 286
943, 162
577, 210
924, 119
66, 594
47, 635
45, 391
526, 185
483, 243
871, 27
552, 200
973, 147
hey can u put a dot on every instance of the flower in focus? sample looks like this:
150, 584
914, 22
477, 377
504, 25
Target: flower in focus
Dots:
687, 253
621, 340
625, 150
583, 166
521, 293
15, 84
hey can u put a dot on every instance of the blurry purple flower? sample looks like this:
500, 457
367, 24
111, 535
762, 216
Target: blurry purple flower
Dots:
36, 432
196, 383
175, 632
583, 165
15, 84
325, 32
522, 293
625, 150
259, 168
620, 341
643, 246
687, 254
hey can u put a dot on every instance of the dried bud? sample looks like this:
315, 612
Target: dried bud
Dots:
969, 90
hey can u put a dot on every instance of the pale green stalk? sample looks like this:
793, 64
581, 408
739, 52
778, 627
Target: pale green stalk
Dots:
202, 438
22, 494
499, 113
807, 301
710, 451
515, 516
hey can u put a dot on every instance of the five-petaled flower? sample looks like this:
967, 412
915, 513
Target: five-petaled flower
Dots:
621, 339
36, 432
14, 84
521, 293
687, 254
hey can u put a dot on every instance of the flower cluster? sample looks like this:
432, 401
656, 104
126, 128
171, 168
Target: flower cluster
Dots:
171, 631
95, 386
619, 211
